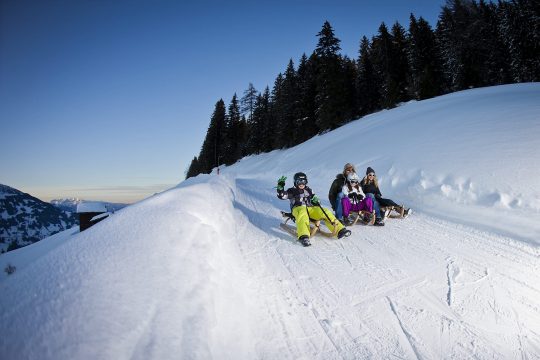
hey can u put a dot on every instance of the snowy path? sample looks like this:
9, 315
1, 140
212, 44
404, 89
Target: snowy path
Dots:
417, 288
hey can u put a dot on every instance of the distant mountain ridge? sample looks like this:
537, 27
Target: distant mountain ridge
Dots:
25, 219
70, 204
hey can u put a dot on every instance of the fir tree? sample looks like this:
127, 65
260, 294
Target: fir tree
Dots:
350, 94
460, 44
381, 55
247, 103
257, 126
277, 113
234, 133
520, 28
496, 67
287, 102
366, 84
307, 92
193, 169
399, 65
211, 154
331, 105
425, 78
266, 122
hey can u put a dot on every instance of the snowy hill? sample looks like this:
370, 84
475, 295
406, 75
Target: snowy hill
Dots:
25, 219
204, 271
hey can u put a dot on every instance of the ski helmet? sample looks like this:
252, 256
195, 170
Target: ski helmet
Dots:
300, 178
353, 178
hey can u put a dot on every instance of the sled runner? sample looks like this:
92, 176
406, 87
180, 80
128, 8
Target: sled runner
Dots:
365, 217
395, 212
314, 224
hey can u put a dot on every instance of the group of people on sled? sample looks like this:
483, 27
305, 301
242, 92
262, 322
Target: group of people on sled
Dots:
348, 193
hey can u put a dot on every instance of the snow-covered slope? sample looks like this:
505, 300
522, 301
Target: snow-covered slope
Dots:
204, 271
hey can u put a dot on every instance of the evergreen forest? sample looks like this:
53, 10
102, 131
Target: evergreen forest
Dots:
474, 44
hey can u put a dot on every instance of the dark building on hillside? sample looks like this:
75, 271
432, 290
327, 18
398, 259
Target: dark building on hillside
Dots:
90, 213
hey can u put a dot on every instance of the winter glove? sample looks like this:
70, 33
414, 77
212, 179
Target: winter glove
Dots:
351, 196
281, 183
315, 200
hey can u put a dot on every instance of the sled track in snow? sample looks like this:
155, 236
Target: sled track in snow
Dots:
416, 288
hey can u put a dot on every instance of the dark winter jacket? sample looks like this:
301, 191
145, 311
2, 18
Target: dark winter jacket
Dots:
335, 189
371, 188
296, 196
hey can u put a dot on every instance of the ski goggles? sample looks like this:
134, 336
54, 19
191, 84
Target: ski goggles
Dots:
301, 182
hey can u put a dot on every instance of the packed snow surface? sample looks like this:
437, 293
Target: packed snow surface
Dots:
204, 271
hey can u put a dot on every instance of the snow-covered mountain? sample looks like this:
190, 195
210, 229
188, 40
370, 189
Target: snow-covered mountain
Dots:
204, 271
25, 219
70, 205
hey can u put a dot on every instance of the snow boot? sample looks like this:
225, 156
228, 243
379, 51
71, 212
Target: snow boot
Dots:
407, 212
343, 233
379, 222
304, 240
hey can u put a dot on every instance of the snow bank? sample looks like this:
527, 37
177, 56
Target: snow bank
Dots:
161, 266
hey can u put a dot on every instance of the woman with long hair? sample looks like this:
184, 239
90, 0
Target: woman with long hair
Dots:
370, 186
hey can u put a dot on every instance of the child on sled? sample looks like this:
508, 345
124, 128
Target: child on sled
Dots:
306, 205
354, 199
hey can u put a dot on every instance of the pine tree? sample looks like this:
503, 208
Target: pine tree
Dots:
449, 39
256, 127
288, 104
307, 92
399, 65
267, 127
330, 82
350, 94
247, 103
381, 55
461, 45
234, 133
496, 66
425, 79
211, 154
520, 28
277, 113
366, 84
193, 169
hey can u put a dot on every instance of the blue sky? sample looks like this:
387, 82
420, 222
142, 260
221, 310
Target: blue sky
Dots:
110, 100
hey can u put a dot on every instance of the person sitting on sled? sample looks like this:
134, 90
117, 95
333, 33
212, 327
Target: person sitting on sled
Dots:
354, 199
335, 195
306, 205
370, 186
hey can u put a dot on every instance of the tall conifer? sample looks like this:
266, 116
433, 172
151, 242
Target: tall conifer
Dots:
330, 82
307, 91
366, 84
211, 154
